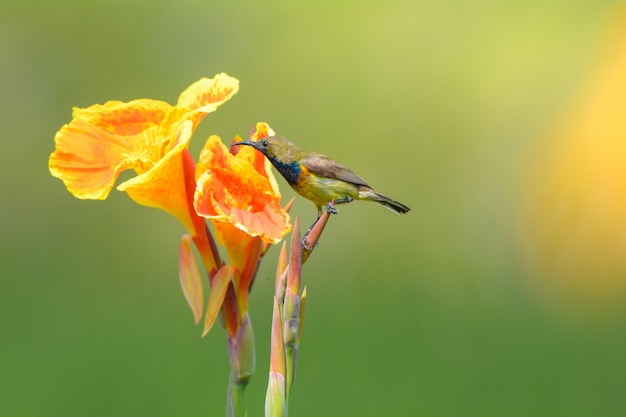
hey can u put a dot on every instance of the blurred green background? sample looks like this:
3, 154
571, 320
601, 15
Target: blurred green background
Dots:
451, 310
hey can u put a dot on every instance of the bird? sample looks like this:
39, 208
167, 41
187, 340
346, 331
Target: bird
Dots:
317, 177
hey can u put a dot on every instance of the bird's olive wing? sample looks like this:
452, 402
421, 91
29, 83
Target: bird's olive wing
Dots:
326, 167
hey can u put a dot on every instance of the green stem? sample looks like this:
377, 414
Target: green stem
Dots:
242, 363
290, 368
236, 406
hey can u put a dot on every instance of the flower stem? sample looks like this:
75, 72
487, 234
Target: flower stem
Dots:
236, 399
242, 363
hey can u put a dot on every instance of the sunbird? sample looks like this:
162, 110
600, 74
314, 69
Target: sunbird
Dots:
317, 177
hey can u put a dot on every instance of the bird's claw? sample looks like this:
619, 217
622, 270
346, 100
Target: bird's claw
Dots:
331, 208
305, 246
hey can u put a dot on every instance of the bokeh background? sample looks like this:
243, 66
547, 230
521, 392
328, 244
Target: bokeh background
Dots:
501, 124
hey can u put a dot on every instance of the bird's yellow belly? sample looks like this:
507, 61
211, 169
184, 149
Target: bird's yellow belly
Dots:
322, 190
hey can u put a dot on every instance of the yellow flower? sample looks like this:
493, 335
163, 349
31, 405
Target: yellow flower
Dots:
148, 136
101, 141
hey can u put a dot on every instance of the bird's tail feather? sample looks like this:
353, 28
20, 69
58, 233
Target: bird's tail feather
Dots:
383, 200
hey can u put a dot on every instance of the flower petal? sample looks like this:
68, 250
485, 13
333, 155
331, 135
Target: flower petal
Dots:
202, 97
229, 189
219, 285
190, 278
165, 185
235, 241
87, 159
124, 118
208, 93
244, 252
102, 141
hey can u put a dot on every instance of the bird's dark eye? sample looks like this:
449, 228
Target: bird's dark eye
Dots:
265, 143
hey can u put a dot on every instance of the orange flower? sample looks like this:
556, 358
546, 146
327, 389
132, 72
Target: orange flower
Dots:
239, 193
148, 136
230, 189
144, 135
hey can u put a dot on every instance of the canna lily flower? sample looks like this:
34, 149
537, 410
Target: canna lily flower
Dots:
237, 191
148, 136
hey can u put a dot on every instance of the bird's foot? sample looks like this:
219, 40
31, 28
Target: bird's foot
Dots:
305, 238
331, 208
304, 243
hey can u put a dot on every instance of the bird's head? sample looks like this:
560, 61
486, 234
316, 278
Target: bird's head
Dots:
274, 148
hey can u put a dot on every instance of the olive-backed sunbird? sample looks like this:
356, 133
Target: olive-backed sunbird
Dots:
317, 177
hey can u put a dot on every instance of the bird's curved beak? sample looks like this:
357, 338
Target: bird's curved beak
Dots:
247, 143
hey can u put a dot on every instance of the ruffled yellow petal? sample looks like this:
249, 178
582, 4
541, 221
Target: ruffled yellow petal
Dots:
208, 93
104, 140
87, 159
229, 189
202, 97
165, 185
126, 119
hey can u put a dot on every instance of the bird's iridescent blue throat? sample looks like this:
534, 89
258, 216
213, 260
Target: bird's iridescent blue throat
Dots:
291, 171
